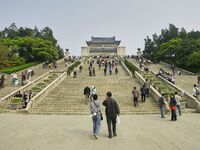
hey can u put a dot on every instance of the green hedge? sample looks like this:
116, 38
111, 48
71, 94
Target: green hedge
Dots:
18, 68
71, 68
16, 100
161, 85
130, 66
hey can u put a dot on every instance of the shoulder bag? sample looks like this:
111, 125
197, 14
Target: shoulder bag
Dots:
100, 111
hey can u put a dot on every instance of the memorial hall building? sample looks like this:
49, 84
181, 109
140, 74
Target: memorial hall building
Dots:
103, 46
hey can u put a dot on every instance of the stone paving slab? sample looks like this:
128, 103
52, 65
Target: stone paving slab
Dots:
60, 132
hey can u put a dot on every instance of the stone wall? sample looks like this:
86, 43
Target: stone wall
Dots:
102, 53
85, 51
121, 51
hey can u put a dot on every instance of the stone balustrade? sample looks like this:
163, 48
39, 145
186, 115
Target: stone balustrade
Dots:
37, 98
4, 101
128, 72
176, 68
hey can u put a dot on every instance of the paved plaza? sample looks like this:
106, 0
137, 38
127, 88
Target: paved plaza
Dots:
59, 132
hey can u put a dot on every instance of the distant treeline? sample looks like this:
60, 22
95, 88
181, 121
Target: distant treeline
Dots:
175, 46
25, 45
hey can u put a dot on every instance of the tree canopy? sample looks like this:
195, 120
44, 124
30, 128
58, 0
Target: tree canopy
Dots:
175, 46
24, 45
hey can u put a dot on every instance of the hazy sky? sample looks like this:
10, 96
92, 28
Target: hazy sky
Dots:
75, 21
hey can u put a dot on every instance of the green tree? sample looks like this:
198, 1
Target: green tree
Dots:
3, 56
194, 60
47, 34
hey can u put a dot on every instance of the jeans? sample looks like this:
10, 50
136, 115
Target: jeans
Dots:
13, 80
96, 124
179, 109
162, 111
111, 128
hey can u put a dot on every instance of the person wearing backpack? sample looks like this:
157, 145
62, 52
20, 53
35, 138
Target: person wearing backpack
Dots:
95, 110
112, 111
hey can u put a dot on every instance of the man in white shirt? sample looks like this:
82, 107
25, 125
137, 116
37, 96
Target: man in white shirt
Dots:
195, 91
178, 102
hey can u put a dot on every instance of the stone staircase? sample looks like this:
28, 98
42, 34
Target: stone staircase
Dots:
68, 98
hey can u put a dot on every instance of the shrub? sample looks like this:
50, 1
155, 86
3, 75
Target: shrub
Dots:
36, 89
47, 80
130, 66
71, 68
16, 100
42, 85
18, 68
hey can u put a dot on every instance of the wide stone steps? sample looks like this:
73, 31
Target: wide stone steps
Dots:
68, 98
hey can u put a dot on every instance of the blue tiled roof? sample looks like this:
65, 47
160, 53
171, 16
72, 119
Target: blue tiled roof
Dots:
102, 40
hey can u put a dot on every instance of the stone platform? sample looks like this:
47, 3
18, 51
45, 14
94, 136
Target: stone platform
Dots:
61, 132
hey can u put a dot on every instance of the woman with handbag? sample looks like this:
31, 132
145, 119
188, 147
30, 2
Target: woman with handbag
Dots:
96, 115
172, 106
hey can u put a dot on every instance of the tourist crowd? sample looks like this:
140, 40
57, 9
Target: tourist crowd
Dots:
166, 75
108, 66
25, 96
174, 105
24, 78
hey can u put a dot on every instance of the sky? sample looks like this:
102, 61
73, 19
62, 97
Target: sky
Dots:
74, 21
